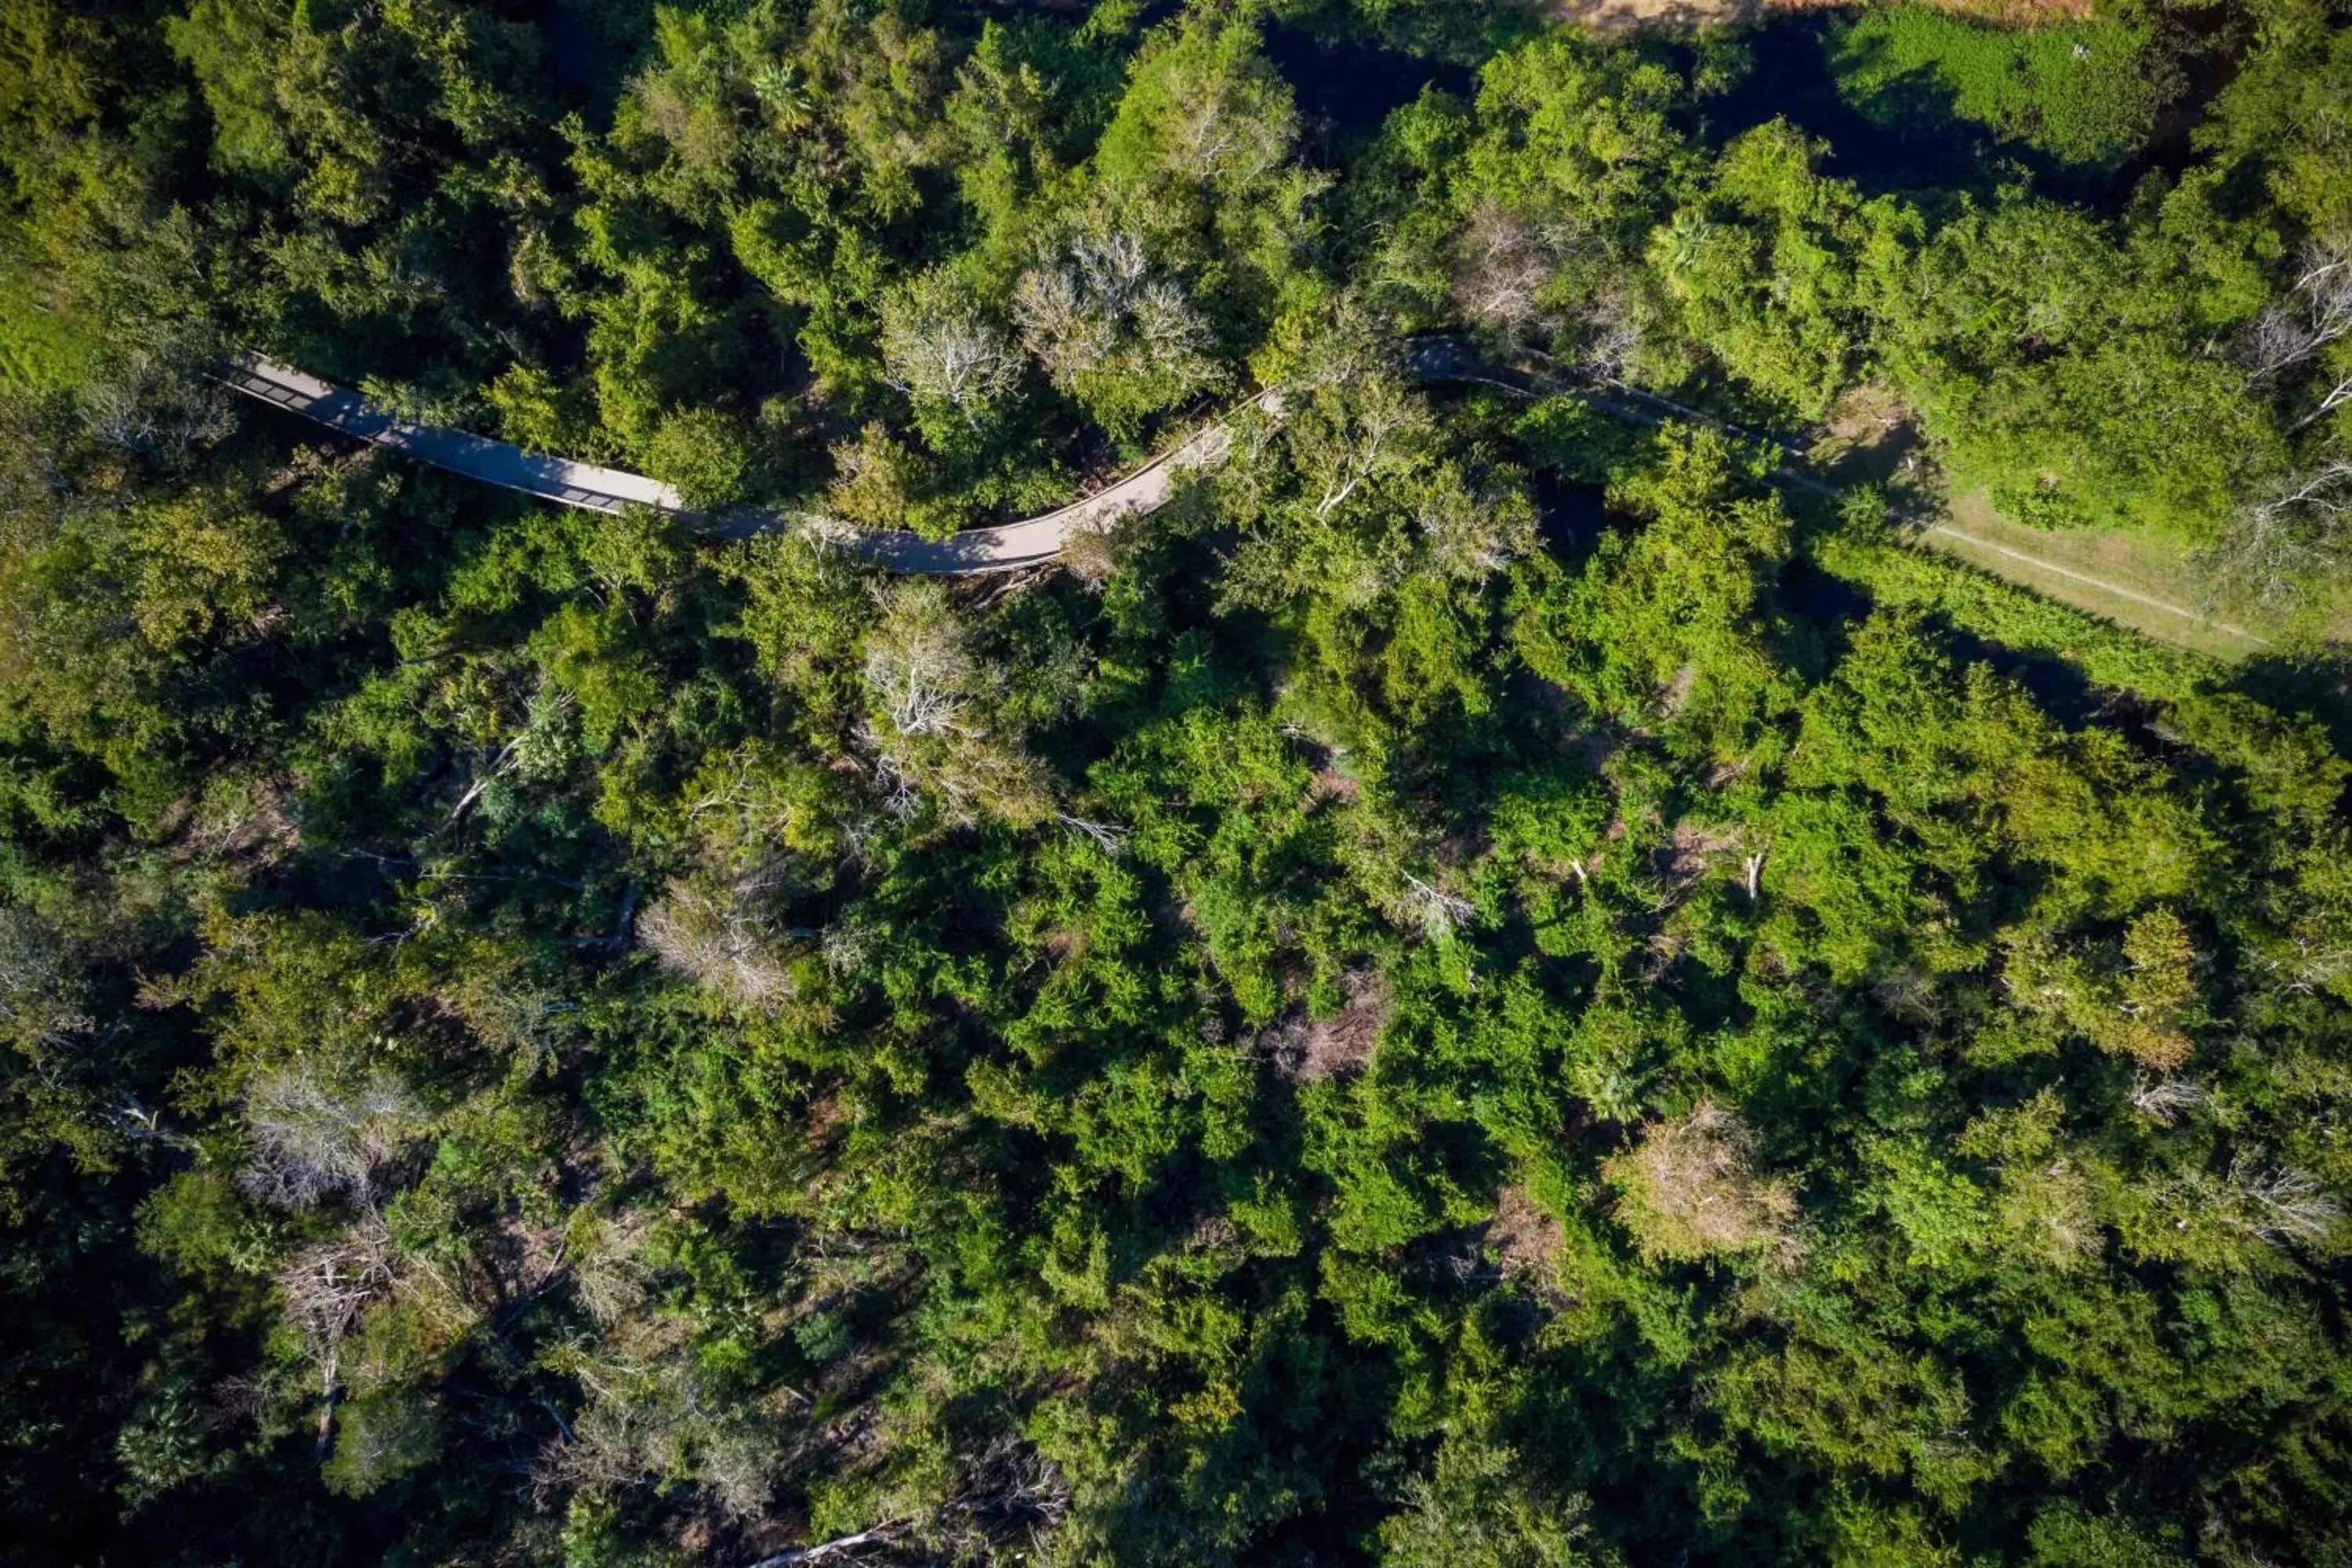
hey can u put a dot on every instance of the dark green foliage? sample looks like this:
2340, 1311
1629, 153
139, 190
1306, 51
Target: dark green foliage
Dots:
1491, 984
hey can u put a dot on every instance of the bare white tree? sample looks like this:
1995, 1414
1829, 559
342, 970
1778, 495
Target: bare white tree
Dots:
1004, 1509
2162, 1100
1472, 534
1692, 1188
917, 662
610, 1276
41, 996
2274, 543
1501, 268
930, 739
2334, 397
2278, 1204
1109, 838
154, 405
2316, 312
938, 344
1172, 337
314, 1138
1227, 127
1381, 417
721, 937
328, 1286
1070, 332
1437, 912
1111, 266
1612, 331
2274, 1205
1099, 312
651, 1413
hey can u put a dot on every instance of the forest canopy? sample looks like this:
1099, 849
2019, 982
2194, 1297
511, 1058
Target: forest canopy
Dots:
1514, 976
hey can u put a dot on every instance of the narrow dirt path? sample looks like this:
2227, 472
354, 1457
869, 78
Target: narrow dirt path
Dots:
2116, 589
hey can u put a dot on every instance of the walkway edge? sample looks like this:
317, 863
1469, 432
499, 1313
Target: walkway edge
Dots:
1031, 542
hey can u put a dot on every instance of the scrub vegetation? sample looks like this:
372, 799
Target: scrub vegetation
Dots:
2085, 93
1501, 981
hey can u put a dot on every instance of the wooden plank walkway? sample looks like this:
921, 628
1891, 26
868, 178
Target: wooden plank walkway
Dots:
1028, 543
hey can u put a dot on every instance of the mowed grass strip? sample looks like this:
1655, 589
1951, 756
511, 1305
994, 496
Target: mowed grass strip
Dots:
2136, 581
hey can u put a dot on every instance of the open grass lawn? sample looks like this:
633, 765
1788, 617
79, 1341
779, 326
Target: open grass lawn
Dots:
38, 349
2137, 581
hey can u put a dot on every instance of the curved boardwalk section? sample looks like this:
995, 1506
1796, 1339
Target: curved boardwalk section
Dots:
1029, 543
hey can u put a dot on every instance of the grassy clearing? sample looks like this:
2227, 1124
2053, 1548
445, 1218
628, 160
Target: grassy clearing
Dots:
2084, 93
2108, 654
39, 350
2136, 581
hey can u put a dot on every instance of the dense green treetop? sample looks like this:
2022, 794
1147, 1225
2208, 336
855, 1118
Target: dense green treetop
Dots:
1504, 981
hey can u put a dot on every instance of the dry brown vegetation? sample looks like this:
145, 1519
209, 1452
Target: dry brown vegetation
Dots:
1525, 1239
720, 938
1687, 852
1311, 1050
1610, 17
1690, 1190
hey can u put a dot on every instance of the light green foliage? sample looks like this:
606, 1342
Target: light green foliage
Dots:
702, 454
2275, 119
1204, 130
1580, 132
2076, 370
1664, 625
2086, 93
1469, 1510
1774, 272
227, 44
377, 1440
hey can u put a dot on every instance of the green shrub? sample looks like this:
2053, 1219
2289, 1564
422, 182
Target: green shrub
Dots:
2086, 94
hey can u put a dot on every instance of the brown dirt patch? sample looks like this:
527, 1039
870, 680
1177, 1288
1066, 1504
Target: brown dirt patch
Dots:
1525, 1239
248, 822
1676, 691
828, 1118
1689, 850
1311, 1050
1329, 783
1721, 775
1615, 17
1867, 436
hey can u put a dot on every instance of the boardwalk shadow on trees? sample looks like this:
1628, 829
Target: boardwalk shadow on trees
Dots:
2058, 687
2319, 684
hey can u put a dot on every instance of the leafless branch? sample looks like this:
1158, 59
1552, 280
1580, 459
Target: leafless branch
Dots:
1108, 836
